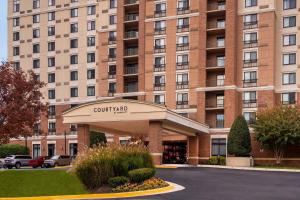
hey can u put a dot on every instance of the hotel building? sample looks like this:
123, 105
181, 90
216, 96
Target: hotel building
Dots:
207, 61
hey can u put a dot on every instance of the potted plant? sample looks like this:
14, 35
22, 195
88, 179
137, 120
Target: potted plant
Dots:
239, 144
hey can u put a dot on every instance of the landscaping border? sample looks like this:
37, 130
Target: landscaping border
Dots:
171, 188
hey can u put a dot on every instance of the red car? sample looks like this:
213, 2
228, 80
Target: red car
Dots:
38, 162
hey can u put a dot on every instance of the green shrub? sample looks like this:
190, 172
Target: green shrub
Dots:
239, 140
217, 160
96, 165
140, 175
12, 149
97, 138
117, 181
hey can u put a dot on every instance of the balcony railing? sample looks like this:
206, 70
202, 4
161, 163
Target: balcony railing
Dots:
159, 48
183, 10
131, 34
215, 104
159, 67
252, 103
51, 131
131, 17
182, 104
131, 88
131, 70
182, 47
160, 13
159, 86
215, 82
216, 123
131, 52
250, 63
51, 115
289, 102
182, 65
250, 43
112, 75
250, 25
112, 40
112, 57
160, 31
183, 28
182, 85
250, 82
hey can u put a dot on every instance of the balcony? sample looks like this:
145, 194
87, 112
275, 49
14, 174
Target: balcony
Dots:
182, 65
214, 104
182, 85
112, 57
131, 2
182, 104
160, 13
250, 63
219, 47
131, 35
160, 31
216, 123
216, 29
159, 48
131, 88
129, 52
215, 82
159, 86
131, 70
250, 43
250, 25
159, 67
182, 47
252, 103
131, 17
183, 28
249, 83
215, 9
183, 10
112, 40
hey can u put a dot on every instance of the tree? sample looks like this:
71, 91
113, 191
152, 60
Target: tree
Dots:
20, 100
97, 138
277, 128
239, 140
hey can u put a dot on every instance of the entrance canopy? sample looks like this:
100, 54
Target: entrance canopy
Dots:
129, 117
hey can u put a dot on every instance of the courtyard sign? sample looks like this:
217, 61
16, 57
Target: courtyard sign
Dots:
111, 109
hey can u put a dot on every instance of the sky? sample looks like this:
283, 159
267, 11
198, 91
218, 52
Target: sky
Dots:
3, 31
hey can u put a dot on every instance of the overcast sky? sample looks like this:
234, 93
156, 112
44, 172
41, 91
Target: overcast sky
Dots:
3, 31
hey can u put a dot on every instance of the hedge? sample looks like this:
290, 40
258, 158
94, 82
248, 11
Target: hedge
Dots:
140, 175
13, 149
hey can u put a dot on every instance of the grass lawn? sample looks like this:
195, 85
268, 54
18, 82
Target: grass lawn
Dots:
278, 167
17, 183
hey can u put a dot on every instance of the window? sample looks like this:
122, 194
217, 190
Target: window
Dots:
182, 98
51, 62
112, 19
74, 92
91, 91
73, 149
288, 98
218, 147
91, 57
35, 4
51, 2
183, 40
74, 12
221, 23
182, 59
51, 78
51, 94
249, 76
159, 80
91, 25
160, 43
91, 10
250, 19
250, 56
16, 65
36, 33
288, 78
112, 4
51, 31
74, 59
159, 99
220, 61
289, 4
73, 43
250, 3
183, 4
16, 5
74, 28
250, 117
36, 150
51, 128
74, 75
16, 21
220, 120
51, 150
36, 63
35, 18
250, 38
220, 80
112, 52
289, 21
182, 78
160, 8
220, 41
16, 36
16, 51
36, 48
51, 46
249, 99
51, 111
91, 74
112, 35
112, 71
159, 25
289, 59
289, 40
74, 1
51, 16
112, 87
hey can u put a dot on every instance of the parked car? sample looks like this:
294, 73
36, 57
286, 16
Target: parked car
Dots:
38, 162
1, 163
59, 160
16, 161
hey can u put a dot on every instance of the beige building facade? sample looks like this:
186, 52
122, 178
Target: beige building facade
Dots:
205, 60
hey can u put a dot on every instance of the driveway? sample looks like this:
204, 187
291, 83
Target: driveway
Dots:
227, 184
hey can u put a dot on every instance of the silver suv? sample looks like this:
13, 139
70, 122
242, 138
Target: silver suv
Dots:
59, 160
16, 161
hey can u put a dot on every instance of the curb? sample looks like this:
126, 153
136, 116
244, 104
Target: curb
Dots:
171, 188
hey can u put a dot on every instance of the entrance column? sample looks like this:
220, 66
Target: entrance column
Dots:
193, 150
155, 141
83, 137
